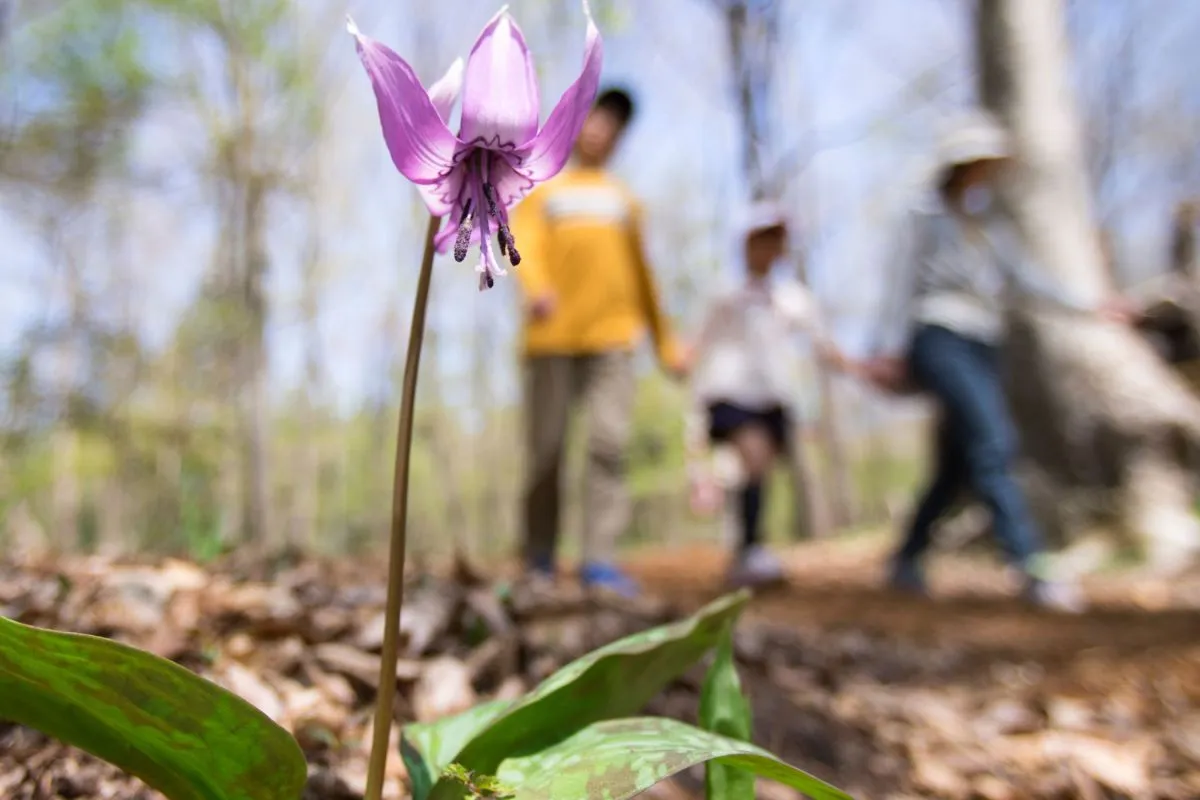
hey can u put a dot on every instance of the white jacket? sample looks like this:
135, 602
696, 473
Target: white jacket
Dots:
746, 351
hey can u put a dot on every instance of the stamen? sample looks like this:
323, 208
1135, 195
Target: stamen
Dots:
489, 192
509, 244
503, 233
462, 242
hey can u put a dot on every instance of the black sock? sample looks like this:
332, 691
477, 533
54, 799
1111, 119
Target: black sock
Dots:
751, 512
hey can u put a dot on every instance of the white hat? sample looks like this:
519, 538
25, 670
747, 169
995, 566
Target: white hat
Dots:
973, 136
763, 215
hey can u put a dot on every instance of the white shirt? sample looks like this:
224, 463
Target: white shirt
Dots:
746, 353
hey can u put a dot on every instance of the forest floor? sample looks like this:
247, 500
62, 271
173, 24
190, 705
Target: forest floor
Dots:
969, 695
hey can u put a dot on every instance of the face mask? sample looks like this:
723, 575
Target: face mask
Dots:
977, 199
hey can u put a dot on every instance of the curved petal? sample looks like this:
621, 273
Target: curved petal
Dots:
421, 146
500, 92
441, 197
445, 92
510, 183
444, 238
543, 157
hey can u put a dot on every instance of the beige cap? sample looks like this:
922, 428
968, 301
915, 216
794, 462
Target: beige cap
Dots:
972, 136
763, 215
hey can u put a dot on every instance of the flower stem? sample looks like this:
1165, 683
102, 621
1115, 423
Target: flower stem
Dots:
399, 536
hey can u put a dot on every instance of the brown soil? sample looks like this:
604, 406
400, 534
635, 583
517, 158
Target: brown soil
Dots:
969, 696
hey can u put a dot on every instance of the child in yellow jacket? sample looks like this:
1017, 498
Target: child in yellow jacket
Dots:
589, 299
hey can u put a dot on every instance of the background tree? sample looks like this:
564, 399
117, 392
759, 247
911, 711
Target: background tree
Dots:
1101, 412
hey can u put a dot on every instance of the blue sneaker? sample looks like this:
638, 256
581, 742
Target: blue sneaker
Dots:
608, 576
542, 566
756, 567
906, 576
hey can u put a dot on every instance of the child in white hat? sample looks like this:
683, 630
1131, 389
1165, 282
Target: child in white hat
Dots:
743, 370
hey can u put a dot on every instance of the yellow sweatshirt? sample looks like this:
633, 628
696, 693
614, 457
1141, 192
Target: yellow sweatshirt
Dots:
580, 240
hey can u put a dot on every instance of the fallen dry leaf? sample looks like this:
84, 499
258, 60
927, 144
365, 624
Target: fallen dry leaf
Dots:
443, 689
886, 699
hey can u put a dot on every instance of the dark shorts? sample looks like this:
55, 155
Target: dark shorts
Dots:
725, 418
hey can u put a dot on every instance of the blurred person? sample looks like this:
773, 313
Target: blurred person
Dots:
942, 335
589, 296
743, 365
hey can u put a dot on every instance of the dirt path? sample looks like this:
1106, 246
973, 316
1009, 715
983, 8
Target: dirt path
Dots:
972, 697
969, 695
838, 587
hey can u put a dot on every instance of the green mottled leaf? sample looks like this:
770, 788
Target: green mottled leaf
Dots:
178, 732
614, 681
430, 748
616, 759
724, 710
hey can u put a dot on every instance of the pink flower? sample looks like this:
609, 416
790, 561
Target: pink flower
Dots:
500, 153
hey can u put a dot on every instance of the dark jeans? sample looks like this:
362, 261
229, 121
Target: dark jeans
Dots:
976, 442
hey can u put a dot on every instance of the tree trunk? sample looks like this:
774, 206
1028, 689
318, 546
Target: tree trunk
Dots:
256, 511
1102, 418
843, 505
1183, 239
841, 508
738, 27
66, 495
306, 506
811, 520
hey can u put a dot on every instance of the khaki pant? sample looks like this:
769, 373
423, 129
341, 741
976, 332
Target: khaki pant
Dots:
603, 384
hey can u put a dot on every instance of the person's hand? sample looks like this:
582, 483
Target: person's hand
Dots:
889, 374
854, 368
1118, 309
835, 359
542, 306
679, 363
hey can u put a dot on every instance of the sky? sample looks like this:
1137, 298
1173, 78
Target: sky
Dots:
848, 75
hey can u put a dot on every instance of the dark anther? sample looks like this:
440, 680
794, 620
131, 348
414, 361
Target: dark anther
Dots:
507, 242
508, 246
462, 242
489, 193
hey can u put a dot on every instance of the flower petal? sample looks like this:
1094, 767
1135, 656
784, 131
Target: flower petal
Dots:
445, 92
511, 185
448, 233
543, 157
441, 197
500, 92
421, 146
